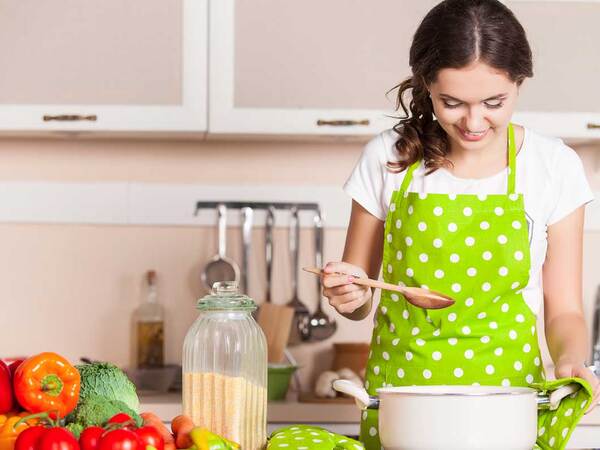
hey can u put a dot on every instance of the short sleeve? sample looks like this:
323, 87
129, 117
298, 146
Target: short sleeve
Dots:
571, 187
366, 184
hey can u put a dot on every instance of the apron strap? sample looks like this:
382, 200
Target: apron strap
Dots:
408, 176
512, 157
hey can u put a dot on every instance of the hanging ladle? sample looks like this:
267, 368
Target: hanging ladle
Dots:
420, 297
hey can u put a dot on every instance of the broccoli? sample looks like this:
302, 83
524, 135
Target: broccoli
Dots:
75, 428
107, 380
96, 410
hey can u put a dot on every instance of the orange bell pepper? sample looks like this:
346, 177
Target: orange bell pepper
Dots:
47, 382
8, 431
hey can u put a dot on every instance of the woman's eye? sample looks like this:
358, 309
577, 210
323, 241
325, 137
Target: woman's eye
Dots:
494, 105
450, 105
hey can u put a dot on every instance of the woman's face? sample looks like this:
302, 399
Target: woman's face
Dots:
473, 104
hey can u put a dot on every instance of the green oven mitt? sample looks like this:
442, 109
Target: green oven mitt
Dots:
556, 425
308, 437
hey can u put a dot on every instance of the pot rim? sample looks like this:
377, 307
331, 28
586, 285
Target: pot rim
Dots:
456, 390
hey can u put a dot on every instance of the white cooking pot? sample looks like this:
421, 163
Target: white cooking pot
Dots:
456, 417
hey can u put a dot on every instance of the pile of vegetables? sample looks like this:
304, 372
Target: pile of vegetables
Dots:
48, 404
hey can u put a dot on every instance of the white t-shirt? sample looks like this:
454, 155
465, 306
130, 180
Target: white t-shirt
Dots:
549, 175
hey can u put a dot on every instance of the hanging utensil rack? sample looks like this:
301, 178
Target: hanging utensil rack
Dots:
259, 205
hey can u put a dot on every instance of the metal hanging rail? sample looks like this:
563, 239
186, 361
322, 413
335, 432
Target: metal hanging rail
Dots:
259, 205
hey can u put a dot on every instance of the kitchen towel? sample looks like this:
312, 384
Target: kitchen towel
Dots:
305, 437
556, 426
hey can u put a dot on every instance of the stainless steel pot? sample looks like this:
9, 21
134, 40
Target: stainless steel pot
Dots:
456, 417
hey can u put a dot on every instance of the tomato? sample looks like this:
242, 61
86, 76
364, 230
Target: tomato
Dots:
120, 439
28, 439
150, 436
90, 438
120, 418
57, 439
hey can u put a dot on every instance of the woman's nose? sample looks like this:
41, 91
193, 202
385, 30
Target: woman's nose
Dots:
475, 120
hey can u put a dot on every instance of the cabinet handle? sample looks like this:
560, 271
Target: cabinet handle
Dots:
343, 123
70, 118
593, 126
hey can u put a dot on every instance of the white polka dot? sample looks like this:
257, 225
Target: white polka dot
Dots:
504, 307
564, 433
506, 382
408, 241
456, 287
499, 211
516, 225
466, 330
405, 194
551, 441
410, 272
423, 257
485, 287
458, 372
471, 271
452, 227
452, 341
485, 339
583, 404
489, 369
408, 356
494, 325
484, 225
405, 314
439, 273
378, 340
422, 195
569, 412
496, 299
438, 211
469, 354
395, 297
392, 327
367, 384
436, 356
512, 334
398, 223
364, 415
389, 237
395, 341
422, 226
482, 197
386, 356
451, 317
502, 239
437, 243
481, 315
467, 211
376, 370
469, 301
529, 378
518, 365
410, 209
470, 241
487, 255
454, 258
452, 196
515, 285
503, 271
519, 255
389, 268
373, 431
553, 421
514, 197
520, 318
436, 332
393, 207
427, 374
415, 331
400, 373
420, 342
499, 351
536, 361
398, 255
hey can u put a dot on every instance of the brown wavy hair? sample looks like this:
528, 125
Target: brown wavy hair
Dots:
454, 34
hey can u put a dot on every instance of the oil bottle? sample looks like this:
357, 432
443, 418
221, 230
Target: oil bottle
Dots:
149, 327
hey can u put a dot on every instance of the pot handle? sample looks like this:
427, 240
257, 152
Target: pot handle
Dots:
361, 397
553, 400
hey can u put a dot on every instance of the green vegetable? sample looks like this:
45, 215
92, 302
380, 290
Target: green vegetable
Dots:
107, 380
96, 411
75, 428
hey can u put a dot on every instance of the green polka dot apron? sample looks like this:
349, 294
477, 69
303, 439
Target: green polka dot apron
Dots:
475, 248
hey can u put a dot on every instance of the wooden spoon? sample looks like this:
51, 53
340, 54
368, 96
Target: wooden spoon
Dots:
420, 297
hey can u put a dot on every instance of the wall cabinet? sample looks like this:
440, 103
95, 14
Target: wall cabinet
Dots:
108, 65
319, 68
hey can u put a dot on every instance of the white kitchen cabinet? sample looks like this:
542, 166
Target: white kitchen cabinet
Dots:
103, 66
297, 67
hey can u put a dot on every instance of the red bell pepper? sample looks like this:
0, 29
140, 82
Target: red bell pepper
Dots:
6, 389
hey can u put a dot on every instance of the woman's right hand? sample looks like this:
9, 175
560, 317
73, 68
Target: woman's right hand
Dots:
345, 296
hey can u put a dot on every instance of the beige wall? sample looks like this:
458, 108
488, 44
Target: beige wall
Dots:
72, 288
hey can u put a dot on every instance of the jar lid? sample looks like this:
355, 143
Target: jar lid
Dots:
226, 295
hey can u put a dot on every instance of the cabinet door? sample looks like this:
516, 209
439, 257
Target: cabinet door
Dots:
103, 65
308, 67
563, 97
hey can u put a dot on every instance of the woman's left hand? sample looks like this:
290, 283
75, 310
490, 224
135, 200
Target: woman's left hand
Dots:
568, 369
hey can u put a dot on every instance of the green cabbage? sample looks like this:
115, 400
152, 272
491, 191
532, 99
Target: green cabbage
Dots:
108, 381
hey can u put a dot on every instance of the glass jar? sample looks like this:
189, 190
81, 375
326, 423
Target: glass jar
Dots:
225, 368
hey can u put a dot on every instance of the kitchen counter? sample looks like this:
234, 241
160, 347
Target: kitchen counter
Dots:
341, 418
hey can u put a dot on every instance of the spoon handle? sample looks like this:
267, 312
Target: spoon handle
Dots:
362, 281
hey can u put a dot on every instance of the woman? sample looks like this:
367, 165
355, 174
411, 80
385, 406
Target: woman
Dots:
468, 204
